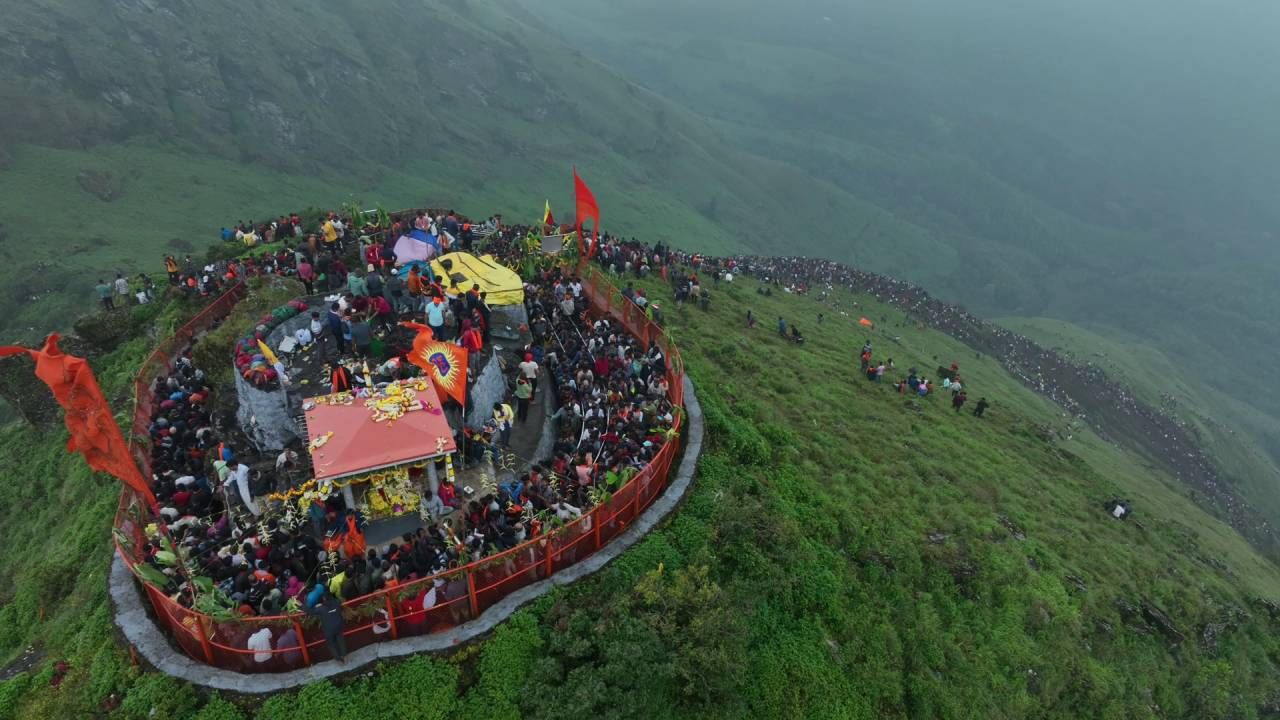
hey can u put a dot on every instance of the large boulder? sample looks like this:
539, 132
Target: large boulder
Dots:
102, 184
102, 332
27, 395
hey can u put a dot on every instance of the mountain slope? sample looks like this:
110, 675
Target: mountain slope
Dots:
138, 129
844, 552
141, 128
1160, 381
1048, 153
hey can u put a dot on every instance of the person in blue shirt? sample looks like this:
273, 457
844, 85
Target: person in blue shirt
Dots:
314, 597
435, 318
512, 489
334, 320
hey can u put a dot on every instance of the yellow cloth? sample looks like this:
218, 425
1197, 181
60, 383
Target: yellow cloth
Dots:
266, 353
330, 232
502, 285
335, 585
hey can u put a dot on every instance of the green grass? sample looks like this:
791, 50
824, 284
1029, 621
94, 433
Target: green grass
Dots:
992, 171
798, 578
63, 239
1235, 433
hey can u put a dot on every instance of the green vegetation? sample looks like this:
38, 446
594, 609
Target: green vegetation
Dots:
843, 552
1021, 158
195, 134
1225, 426
964, 151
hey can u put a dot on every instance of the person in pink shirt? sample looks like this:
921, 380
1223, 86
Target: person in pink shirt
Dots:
307, 274
382, 310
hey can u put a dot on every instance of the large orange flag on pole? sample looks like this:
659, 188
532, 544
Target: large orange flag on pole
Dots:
586, 207
444, 362
93, 428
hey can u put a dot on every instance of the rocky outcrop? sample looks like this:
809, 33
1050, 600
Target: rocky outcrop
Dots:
29, 397
102, 184
490, 387
265, 416
1162, 622
101, 332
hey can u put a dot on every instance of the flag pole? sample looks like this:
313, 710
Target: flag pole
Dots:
466, 392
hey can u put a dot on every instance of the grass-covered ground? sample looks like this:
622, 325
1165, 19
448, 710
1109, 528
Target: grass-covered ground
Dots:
844, 552
1243, 440
59, 238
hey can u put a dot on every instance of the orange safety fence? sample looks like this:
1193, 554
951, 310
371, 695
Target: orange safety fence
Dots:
460, 594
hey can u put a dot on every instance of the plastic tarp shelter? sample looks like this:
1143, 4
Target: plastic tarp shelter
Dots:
359, 445
503, 285
416, 246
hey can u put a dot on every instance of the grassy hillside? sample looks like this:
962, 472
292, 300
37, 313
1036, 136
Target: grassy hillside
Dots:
1237, 434
844, 552
1044, 150
138, 130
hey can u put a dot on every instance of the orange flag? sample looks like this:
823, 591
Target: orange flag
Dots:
93, 428
444, 362
865, 322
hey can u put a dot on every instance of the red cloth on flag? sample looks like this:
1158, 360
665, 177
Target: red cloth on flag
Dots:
586, 207
93, 428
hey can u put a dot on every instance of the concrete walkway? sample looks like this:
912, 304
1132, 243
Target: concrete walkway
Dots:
131, 614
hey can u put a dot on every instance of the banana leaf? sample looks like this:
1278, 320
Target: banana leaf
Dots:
152, 575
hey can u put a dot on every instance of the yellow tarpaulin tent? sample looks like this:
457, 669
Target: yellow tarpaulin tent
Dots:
503, 286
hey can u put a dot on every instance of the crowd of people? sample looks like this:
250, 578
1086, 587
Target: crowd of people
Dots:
682, 270
122, 291
612, 414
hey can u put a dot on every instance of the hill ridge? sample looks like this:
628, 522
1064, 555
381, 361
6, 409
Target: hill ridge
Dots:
1084, 390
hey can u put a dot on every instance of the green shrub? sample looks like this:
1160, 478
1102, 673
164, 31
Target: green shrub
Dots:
213, 352
318, 701
218, 709
158, 697
11, 693
505, 663
106, 673
420, 687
